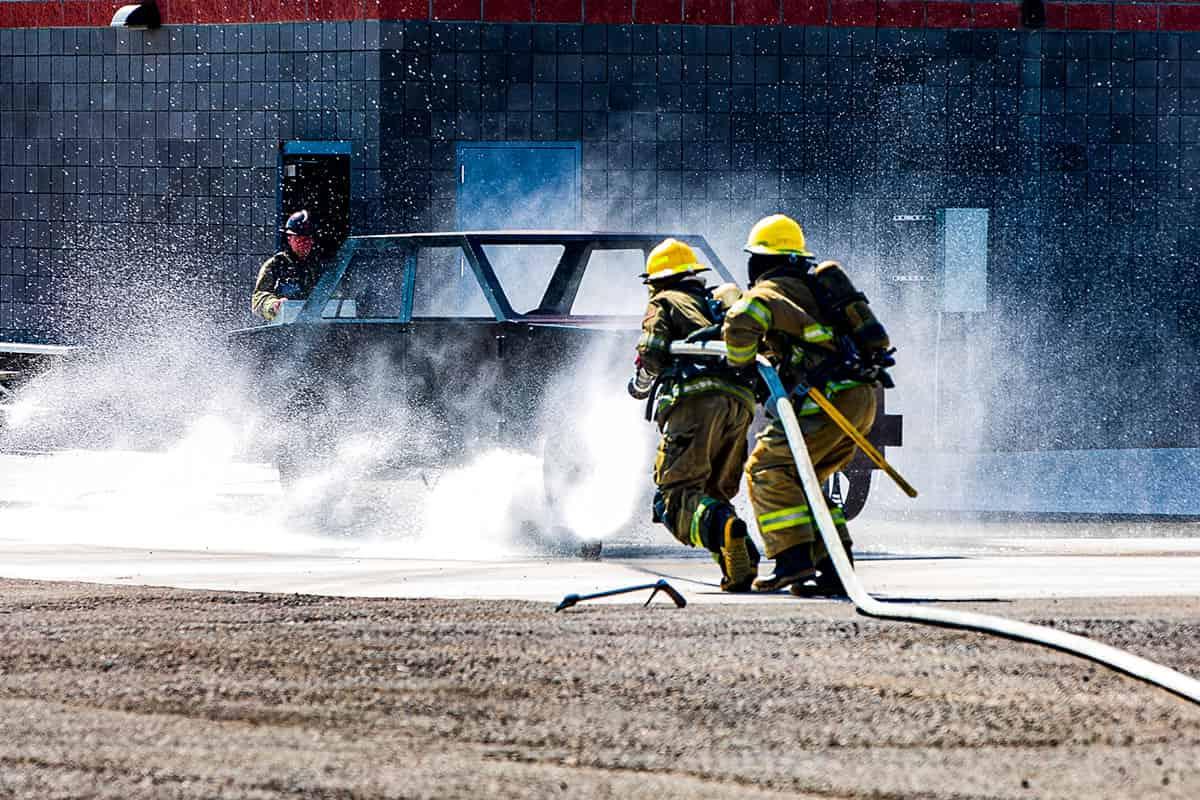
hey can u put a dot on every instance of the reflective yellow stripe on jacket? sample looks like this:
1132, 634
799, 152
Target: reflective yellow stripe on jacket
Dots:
748, 320
809, 407
818, 333
740, 356
755, 309
704, 385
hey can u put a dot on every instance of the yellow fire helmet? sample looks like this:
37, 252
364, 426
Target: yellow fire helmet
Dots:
776, 235
671, 257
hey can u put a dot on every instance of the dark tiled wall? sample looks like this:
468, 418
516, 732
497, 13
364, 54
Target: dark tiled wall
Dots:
148, 161
1084, 146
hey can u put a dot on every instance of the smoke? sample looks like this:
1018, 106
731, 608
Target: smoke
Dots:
164, 435
190, 496
406, 455
599, 449
505, 491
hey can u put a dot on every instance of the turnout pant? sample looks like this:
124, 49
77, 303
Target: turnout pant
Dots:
781, 508
701, 455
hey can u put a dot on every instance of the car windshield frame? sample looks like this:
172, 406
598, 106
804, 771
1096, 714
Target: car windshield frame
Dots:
557, 299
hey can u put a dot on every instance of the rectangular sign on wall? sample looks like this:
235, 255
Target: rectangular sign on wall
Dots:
964, 240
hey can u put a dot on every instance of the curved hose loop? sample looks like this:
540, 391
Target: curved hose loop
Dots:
1112, 657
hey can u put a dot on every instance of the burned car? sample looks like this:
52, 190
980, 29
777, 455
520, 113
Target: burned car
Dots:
419, 349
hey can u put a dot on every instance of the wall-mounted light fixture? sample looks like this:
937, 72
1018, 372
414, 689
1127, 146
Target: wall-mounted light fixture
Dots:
1033, 14
138, 15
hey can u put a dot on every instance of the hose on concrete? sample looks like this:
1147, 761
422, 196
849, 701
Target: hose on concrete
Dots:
1112, 657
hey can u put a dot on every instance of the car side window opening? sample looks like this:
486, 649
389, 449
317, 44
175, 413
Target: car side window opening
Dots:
524, 271
373, 286
610, 285
446, 285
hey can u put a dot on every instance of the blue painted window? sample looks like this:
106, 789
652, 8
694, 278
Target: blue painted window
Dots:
518, 185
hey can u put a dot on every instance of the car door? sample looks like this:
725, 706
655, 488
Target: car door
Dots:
453, 376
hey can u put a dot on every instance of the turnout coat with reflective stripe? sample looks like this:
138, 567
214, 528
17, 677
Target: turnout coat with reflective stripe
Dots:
780, 318
671, 315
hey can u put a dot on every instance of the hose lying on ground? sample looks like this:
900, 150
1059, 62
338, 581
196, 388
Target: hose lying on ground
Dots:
1119, 660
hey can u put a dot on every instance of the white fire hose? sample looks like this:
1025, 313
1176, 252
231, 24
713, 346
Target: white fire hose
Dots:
1119, 660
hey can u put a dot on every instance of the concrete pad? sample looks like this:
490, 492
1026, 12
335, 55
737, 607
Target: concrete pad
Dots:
548, 580
183, 519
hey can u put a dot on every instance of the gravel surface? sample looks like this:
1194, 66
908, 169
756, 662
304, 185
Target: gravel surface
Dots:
121, 692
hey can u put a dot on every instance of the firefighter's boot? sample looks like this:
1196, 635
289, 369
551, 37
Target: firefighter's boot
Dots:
792, 566
826, 584
738, 557
716, 528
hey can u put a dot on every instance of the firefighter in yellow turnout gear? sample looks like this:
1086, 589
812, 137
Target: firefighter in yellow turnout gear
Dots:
703, 413
817, 330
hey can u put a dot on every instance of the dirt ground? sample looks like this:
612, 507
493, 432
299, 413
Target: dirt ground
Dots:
135, 693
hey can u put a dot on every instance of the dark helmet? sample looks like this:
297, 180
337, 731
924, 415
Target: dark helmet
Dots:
300, 224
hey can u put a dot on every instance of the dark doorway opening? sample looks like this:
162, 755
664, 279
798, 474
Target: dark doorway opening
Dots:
316, 176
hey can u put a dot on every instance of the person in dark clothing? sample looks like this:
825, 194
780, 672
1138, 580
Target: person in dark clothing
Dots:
291, 273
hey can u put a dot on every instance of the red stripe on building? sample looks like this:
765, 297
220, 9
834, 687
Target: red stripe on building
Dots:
452, 10
278, 10
901, 14
1135, 18
756, 12
947, 15
396, 9
557, 11
706, 12
853, 13
1005, 16
657, 12
1179, 18
608, 12
805, 12
1090, 16
31, 15
1182, 15
508, 10
1056, 16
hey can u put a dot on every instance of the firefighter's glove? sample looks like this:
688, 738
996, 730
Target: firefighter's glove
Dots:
272, 308
877, 366
709, 334
726, 295
640, 384
883, 358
